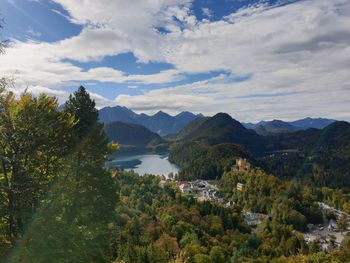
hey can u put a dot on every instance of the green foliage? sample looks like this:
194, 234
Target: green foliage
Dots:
83, 108
169, 225
201, 161
202, 258
314, 247
59, 201
219, 129
289, 203
60, 204
217, 254
319, 157
342, 223
34, 139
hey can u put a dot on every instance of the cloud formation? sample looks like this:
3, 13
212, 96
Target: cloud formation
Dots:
300, 51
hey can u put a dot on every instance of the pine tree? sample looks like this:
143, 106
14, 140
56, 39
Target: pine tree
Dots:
83, 108
74, 222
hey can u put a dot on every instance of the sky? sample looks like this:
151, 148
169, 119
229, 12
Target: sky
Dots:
256, 60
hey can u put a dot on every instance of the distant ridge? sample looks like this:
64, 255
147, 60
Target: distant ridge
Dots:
318, 123
130, 134
160, 123
277, 126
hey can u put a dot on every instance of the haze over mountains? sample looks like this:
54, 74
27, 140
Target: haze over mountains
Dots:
165, 124
279, 126
144, 132
160, 123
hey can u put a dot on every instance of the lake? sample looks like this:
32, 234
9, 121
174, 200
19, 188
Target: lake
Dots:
144, 164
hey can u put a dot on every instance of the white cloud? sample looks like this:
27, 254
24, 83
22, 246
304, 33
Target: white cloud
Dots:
300, 49
207, 12
32, 33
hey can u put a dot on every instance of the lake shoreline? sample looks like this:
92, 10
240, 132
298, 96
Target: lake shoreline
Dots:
144, 163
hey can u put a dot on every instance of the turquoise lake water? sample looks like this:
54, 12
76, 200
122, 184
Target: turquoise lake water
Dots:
145, 164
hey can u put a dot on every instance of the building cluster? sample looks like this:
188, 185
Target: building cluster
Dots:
338, 213
327, 234
239, 187
254, 219
201, 189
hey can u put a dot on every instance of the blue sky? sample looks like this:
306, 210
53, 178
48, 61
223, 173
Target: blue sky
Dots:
44, 20
253, 59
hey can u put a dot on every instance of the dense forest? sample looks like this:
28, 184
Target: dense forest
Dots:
60, 205
208, 146
199, 160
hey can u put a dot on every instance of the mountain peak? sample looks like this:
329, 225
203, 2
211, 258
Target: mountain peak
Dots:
223, 115
184, 113
161, 122
161, 113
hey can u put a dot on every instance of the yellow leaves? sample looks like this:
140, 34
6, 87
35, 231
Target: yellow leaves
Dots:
110, 226
112, 147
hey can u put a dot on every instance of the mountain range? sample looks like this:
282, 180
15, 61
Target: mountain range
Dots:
165, 124
278, 126
160, 123
317, 155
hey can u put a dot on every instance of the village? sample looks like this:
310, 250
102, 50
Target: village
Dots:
328, 234
332, 231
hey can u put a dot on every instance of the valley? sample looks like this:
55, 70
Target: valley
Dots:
174, 131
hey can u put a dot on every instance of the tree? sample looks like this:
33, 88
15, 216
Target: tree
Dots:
314, 247
344, 252
202, 258
342, 223
75, 221
83, 108
34, 138
167, 244
217, 254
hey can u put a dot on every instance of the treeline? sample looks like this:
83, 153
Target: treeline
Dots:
154, 222
158, 224
290, 206
56, 199
318, 157
198, 160
288, 203
321, 157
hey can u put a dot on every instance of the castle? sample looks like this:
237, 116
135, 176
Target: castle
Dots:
242, 165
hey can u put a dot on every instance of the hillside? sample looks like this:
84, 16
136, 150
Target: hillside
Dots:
221, 128
314, 155
317, 123
208, 162
161, 122
318, 156
331, 156
127, 134
274, 127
